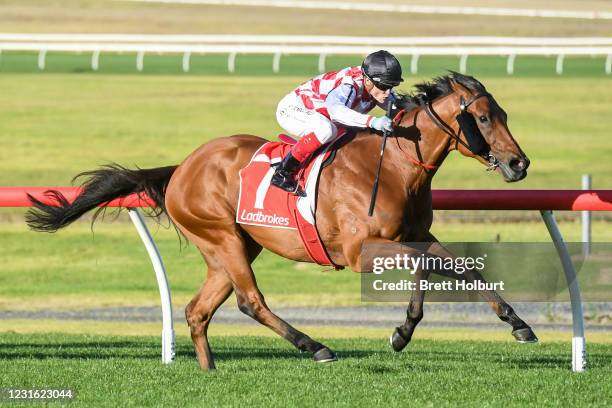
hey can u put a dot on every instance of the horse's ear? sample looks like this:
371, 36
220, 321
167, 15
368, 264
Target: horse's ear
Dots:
457, 86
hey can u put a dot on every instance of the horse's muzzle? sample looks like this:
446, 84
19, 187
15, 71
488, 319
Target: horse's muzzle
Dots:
515, 169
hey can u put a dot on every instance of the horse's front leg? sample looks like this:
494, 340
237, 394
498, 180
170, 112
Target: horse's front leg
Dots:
520, 330
383, 248
403, 334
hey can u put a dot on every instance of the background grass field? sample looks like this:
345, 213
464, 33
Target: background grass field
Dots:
153, 121
78, 269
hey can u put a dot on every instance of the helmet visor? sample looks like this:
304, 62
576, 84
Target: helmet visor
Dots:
382, 84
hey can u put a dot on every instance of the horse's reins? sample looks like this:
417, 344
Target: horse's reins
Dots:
445, 127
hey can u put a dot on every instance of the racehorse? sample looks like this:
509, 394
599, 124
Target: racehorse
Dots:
452, 112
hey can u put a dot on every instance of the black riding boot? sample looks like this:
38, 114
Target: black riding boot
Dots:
284, 175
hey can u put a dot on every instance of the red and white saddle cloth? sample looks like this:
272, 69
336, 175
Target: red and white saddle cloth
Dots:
261, 204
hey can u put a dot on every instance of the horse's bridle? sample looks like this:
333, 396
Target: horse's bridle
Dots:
445, 127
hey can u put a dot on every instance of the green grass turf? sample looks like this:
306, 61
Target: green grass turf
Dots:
260, 371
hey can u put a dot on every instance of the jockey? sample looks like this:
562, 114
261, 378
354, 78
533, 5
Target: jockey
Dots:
315, 109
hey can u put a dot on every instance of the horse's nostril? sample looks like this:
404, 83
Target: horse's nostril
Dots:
519, 164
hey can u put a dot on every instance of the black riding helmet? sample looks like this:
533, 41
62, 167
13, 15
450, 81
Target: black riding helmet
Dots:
382, 68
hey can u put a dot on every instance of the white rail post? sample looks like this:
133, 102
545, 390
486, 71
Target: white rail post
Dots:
276, 62
168, 349
559, 65
140, 61
414, 64
231, 62
609, 64
322, 57
41, 59
510, 64
186, 57
95, 60
463, 64
579, 358
586, 219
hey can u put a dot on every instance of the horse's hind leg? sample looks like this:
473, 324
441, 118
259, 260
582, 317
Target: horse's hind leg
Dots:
230, 252
216, 289
201, 309
251, 302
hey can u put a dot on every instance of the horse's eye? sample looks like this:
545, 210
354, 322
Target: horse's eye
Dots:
483, 118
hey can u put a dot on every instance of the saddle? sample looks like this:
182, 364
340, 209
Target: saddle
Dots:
265, 206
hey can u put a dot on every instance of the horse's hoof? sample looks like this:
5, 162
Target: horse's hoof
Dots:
324, 355
398, 340
525, 335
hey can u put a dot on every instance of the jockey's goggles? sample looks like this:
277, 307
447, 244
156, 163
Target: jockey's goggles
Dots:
380, 85
383, 87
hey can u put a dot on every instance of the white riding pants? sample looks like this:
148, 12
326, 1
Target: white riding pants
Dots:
299, 121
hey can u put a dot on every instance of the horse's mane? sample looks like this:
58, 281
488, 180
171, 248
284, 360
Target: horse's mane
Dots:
437, 87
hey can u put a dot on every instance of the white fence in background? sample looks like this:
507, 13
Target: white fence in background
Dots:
323, 46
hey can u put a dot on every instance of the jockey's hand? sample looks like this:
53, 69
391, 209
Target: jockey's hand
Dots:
382, 123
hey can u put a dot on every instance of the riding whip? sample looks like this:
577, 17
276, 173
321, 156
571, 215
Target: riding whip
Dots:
382, 152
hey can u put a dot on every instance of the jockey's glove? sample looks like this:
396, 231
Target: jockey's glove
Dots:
382, 123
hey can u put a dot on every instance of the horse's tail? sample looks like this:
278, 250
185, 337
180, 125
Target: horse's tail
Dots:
100, 187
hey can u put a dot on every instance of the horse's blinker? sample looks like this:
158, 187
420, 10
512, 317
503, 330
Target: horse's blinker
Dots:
475, 140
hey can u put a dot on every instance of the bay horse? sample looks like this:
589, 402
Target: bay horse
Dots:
451, 112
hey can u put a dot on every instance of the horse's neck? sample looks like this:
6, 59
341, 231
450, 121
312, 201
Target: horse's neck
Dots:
416, 149
422, 145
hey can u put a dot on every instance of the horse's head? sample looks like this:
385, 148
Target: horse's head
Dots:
484, 129
474, 123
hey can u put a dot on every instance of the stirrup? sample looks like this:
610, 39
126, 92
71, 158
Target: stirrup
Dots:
297, 190
285, 174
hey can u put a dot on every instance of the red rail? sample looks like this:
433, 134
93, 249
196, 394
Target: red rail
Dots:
569, 200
